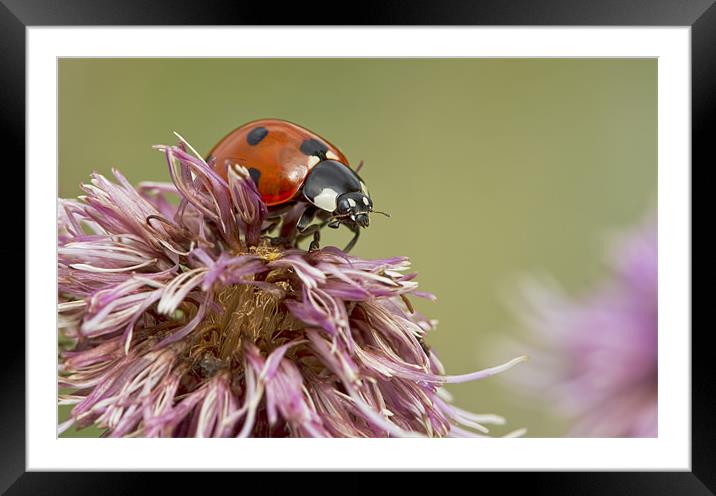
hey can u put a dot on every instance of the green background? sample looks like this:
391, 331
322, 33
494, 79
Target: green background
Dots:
490, 168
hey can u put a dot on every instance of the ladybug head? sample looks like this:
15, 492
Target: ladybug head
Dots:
355, 206
335, 188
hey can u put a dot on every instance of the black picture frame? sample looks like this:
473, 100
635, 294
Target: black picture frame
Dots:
16, 15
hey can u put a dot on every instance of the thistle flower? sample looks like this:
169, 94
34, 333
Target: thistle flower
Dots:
596, 357
184, 321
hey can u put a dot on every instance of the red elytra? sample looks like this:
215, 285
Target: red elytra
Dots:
277, 153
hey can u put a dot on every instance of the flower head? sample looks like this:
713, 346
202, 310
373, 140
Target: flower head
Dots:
596, 357
185, 321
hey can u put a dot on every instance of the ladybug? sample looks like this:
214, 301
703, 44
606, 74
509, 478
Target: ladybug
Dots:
296, 170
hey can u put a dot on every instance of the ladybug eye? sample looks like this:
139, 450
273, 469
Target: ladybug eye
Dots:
344, 206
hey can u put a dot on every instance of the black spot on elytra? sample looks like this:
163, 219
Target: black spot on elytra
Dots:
315, 148
256, 135
255, 175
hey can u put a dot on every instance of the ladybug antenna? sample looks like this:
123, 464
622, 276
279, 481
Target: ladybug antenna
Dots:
379, 212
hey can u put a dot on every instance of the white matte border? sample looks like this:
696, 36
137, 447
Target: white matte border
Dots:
670, 451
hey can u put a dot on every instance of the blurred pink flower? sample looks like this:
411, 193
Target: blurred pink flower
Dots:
595, 357
184, 321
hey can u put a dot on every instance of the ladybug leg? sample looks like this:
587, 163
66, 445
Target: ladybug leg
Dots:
279, 241
356, 234
312, 230
276, 216
315, 244
289, 222
306, 218
305, 228
272, 224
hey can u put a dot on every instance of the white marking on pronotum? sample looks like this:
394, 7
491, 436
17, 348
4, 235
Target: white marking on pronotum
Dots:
326, 200
351, 202
364, 189
365, 200
312, 161
331, 155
